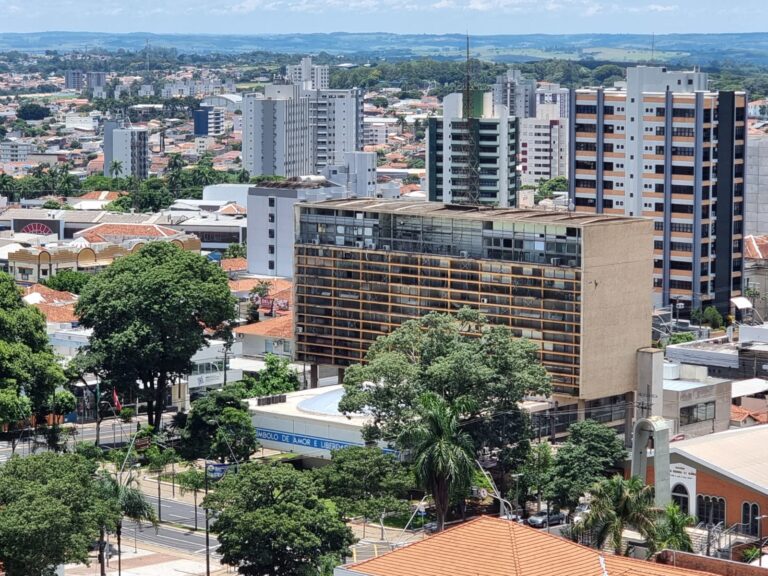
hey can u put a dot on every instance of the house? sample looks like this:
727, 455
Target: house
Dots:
272, 336
489, 546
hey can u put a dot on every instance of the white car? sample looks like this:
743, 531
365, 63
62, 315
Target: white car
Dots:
580, 512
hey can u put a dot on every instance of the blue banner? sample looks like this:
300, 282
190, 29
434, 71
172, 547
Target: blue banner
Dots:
311, 442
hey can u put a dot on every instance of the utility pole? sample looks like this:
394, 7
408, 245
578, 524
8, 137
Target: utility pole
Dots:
207, 533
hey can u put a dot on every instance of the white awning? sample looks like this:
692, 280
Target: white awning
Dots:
741, 303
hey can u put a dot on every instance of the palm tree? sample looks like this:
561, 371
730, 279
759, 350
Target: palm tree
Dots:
670, 533
8, 186
616, 504
243, 176
191, 480
443, 452
128, 501
116, 169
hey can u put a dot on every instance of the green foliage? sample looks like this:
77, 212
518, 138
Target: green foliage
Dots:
48, 512
89, 451
270, 520
670, 530
751, 554
216, 423
64, 402
147, 311
68, 281
589, 453
712, 317
549, 187
681, 338
262, 288
127, 414
379, 101
51, 205
443, 452
27, 364
454, 357
277, 377
537, 474
366, 482
32, 111
235, 250
617, 504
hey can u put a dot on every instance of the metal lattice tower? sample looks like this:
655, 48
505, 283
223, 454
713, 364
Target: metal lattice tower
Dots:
471, 172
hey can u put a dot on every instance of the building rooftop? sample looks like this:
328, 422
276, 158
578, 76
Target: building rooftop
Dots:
438, 209
489, 546
739, 454
279, 327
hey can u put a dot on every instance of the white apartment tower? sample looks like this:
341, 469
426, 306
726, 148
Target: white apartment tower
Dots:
128, 146
517, 93
357, 174
336, 120
543, 149
311, 76
552, 101
277, 140
473, 160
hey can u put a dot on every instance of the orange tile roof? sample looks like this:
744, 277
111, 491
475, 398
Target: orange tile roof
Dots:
101, 195
245, 285
756, 247
102, 232
232, 209
49, 295
234, 264
279, 327
58, 313
739, 414
489, 546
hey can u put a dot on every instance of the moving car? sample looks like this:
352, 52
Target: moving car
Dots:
544, 518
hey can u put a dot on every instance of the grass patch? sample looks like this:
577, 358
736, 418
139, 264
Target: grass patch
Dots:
400, 520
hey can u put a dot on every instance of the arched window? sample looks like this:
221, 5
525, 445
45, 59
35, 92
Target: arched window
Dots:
680, 497
750, 512
710, 509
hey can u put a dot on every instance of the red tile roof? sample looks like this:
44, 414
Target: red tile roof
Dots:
49, 295
105, 232
280, 327
58, 313
756, 247
279, 285
234, 264
489, 546
101, 195
232, 209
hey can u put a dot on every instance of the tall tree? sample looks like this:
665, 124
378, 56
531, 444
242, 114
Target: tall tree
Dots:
618, 504
148, 312
670, 531
443, 453
191, 480
48, 512
270, 520
116, 169
68, 281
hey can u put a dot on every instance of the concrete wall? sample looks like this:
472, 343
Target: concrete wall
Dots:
616, 306
756, 186
719, 392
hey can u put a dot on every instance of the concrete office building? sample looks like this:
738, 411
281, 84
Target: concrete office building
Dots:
357, 174
660, 145
15, 151
756, 185
552, 101
276, 138
271, 221
95, 79
336, 123
517, 93
208, 121
127, 145
474, 160
569, 282
308, 75
74, 80
543, 149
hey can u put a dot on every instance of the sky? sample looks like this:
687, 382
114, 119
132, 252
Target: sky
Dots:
406, 16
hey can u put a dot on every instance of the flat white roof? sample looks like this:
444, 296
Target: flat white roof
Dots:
748, 387
317, 404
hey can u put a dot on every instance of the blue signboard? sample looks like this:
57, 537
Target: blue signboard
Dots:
216, 470
312, 442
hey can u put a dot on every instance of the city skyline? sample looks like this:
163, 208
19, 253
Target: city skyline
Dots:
423, 16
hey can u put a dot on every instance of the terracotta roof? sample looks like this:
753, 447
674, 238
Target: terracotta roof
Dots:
489, 546
756, 247
58, 313
49, 295
103, 232
280, 327
234, 264
738, 414
245, 284
101, 195
233, 209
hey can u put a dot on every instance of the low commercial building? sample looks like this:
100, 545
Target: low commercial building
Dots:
694, 402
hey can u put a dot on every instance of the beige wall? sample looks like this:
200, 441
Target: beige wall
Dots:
719, 392
617, 263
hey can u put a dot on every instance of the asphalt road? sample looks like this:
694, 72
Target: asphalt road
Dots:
187, 541
176, 512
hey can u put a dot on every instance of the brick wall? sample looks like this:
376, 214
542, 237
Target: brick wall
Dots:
705, 564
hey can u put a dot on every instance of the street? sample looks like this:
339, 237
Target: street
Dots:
184, 540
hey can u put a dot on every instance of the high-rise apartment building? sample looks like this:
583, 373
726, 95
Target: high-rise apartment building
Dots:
208, 121
473, 160
308, 75
357, 174
128, 146
336, 123
277, 140
756, 197
662, 145
574, 284
552, 101
96, 79
74, 80
543, 149
517, 93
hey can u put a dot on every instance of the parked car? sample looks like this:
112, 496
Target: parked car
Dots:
514, 518
544, 518
580, 512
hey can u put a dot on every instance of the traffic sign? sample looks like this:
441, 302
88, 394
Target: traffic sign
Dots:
216, 470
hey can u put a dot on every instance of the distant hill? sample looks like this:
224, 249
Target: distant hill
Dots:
680, 48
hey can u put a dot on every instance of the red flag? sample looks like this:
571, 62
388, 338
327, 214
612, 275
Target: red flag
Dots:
115, 400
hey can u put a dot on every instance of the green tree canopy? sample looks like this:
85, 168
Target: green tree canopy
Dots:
365, 481
270, 520
68, 281
148, 312
32, 111
235, 250
277, 377
48, 512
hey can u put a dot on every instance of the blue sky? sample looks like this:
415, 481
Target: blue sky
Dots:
408, 16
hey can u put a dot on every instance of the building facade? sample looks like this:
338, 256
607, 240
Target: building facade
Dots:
552, 101
473, 160
74, 80
568, 282
208, 121
756, 195
128, 146
308, 75
95, 79
15, 151
543, 149
276, 136
357, 174
517, 93
336, 123
662, 146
